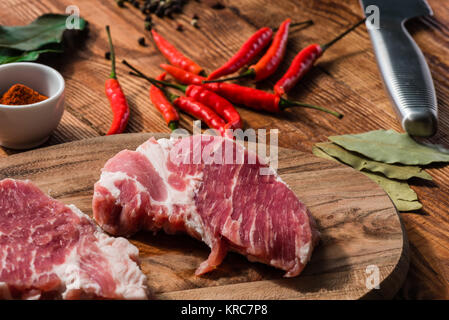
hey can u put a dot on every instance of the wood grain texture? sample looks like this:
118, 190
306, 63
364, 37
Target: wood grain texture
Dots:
358, 223
346, 78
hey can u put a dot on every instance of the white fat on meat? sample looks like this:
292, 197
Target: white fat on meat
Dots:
229, 206
56, 251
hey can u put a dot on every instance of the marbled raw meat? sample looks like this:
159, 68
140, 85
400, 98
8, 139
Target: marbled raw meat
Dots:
170, 184
49, 250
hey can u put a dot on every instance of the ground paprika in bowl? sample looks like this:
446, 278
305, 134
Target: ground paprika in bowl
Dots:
31, 103
20, 94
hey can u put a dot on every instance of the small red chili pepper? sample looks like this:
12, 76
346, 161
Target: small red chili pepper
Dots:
304, 61
260, 100
222, 106
267, 65
201, 94
116, 97
175, 57
164, 106
300, 65
202, 112
248, 51
249, 97
189, 105
183, 76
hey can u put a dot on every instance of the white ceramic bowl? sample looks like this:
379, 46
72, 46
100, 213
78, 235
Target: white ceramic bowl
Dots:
27, 126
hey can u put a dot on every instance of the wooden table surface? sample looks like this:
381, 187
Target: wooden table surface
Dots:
346, 79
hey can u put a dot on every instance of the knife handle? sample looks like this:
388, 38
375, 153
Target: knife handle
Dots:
406, 76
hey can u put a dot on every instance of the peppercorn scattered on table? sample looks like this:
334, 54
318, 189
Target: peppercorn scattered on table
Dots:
345, 78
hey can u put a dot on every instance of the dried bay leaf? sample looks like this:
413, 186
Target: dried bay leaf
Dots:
320, 153
405, 206
390, 146
358, 162
396, 189
403, 197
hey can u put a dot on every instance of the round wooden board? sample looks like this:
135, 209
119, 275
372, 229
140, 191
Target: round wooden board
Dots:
359, 225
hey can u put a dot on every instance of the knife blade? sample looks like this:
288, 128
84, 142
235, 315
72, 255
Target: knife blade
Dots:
402, 65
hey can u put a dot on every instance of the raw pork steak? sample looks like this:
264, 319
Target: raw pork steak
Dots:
181, 185
50, 250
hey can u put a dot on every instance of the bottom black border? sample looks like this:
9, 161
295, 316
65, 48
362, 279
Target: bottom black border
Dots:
176, 310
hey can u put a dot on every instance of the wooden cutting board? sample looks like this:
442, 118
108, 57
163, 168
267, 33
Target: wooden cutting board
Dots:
359, 225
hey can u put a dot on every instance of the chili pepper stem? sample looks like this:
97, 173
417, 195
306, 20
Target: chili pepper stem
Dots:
180, 87
173, 125
283, 103
111, 49
330, 43
307, 23
250, 73
155, 82
172, 97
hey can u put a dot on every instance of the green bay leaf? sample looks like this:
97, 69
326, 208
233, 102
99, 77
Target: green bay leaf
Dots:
320, 153
405, 206
400, 193
403, 197
359, 162
390, 146
46, 29
8, 55
396, 189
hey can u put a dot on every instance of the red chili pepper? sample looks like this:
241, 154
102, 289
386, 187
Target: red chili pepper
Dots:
116, 97
219, 104
249, 97
304, 61
248, 51
164, 106
189, 105
260, 100
202, 112
175, 57
300, 65
269, 63
183, 76
199, 93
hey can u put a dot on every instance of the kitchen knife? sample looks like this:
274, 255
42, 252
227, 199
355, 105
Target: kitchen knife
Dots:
402, 65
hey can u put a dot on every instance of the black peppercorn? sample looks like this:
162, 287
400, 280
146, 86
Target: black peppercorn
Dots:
160, 11
141, 41
177, 8
154, 4
218, 6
